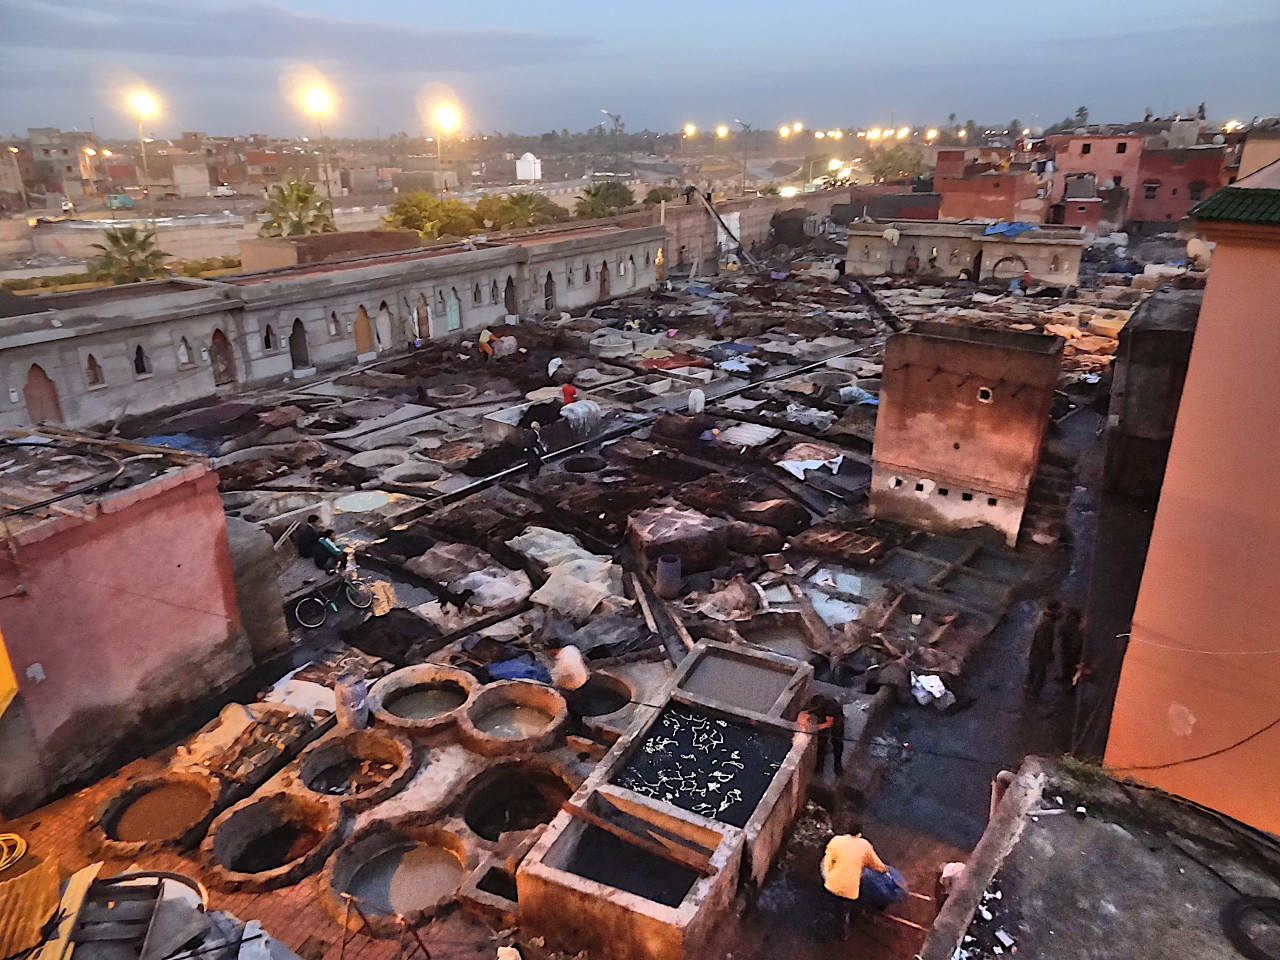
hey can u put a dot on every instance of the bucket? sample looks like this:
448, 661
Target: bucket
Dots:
667, 580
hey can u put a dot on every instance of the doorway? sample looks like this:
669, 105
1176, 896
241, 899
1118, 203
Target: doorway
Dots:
298, 350
382, 327
363, 332
222, 357
41, 394
549, 292
604, 279
453, 310
509, 298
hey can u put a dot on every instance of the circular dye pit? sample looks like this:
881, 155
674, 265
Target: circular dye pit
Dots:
173, 808
270, 841
362, 767
421, 699
394, 869
513, 797
362, 501
412, 473
454, 451
512, 716
452, 393
584, 464
602, 694
373, 459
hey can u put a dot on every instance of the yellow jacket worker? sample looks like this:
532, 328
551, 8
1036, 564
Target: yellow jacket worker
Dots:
843, 862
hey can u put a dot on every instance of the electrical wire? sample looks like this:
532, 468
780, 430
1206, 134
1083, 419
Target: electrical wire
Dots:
89, 487
1203, 756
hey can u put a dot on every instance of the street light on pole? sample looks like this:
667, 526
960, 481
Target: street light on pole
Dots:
746, 129
318, 102
446, 120
17, 168
144, 105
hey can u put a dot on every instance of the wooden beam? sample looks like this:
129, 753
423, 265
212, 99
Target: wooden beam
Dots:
682, 856
643, 599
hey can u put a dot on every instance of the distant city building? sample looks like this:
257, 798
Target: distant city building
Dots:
528, 167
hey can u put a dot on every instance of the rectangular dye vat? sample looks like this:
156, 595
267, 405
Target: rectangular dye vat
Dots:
584, 888
746, 772
748, 682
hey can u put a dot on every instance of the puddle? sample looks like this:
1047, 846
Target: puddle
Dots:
407, 879
164, 812
423, 702
513, 720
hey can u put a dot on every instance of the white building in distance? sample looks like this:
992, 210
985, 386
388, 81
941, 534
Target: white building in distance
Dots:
528, 167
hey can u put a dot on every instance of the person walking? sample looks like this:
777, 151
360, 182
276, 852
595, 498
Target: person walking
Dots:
1040, 655
534, 449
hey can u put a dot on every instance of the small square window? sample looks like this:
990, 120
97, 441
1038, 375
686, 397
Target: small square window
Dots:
991, 501
984, 395
897, 481
1149, 190
919, 488
1117, 179
942, 491
966, 497
1122, 147
1086, 148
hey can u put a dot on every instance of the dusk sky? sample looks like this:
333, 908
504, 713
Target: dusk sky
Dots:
534, 65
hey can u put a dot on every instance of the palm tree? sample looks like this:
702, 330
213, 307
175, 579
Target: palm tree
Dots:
296, 209
130, 254
535, 210
606, 199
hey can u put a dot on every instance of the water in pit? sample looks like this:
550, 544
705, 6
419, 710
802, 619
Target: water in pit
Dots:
513, 721
426, 701
282, 844
164, 812
408, 878
596, 698
602, 857
513, 799
350, 775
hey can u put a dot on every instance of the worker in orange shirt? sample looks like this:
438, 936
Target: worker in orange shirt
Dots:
851, 861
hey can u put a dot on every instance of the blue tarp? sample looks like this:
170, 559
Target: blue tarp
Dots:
523, 667
1009, 228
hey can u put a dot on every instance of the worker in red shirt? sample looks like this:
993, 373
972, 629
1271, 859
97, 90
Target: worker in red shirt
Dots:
569, 392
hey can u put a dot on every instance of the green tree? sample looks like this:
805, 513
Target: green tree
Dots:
1082, 116
658, 194
1014, 127
129, 254
519, 210
951, 120
295, 209
432, 217
604, 200
890, 163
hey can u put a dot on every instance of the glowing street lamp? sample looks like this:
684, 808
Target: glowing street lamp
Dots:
318, 102
722, 131
835, 134
144, 105
931, 133
784, 131
903, 132
797, 127
13, 155
446, 118
874, 133
834, 164
1026, 131
690, 131
962, 133
818, 134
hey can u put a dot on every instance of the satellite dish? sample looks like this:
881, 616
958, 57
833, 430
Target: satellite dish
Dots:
1219, 139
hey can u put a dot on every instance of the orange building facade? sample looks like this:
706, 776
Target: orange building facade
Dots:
1197, 710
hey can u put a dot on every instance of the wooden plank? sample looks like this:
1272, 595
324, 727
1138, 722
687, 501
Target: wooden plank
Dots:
125, 911
59, 946
681, 631
683, 856
643, 599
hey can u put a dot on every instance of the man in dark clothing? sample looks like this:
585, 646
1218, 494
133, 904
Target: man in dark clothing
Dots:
1041, 654
534, 449
306, 536
825, 716
1070, 644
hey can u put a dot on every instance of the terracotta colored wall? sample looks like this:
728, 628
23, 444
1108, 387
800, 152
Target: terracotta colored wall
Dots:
998, 197
1089, 217
1259, 150
129, 617
1202, 671
1102, 161
1176, 170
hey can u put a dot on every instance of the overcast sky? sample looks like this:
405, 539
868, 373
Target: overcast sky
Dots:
533, 65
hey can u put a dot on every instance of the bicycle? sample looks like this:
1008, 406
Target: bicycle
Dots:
314, 609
